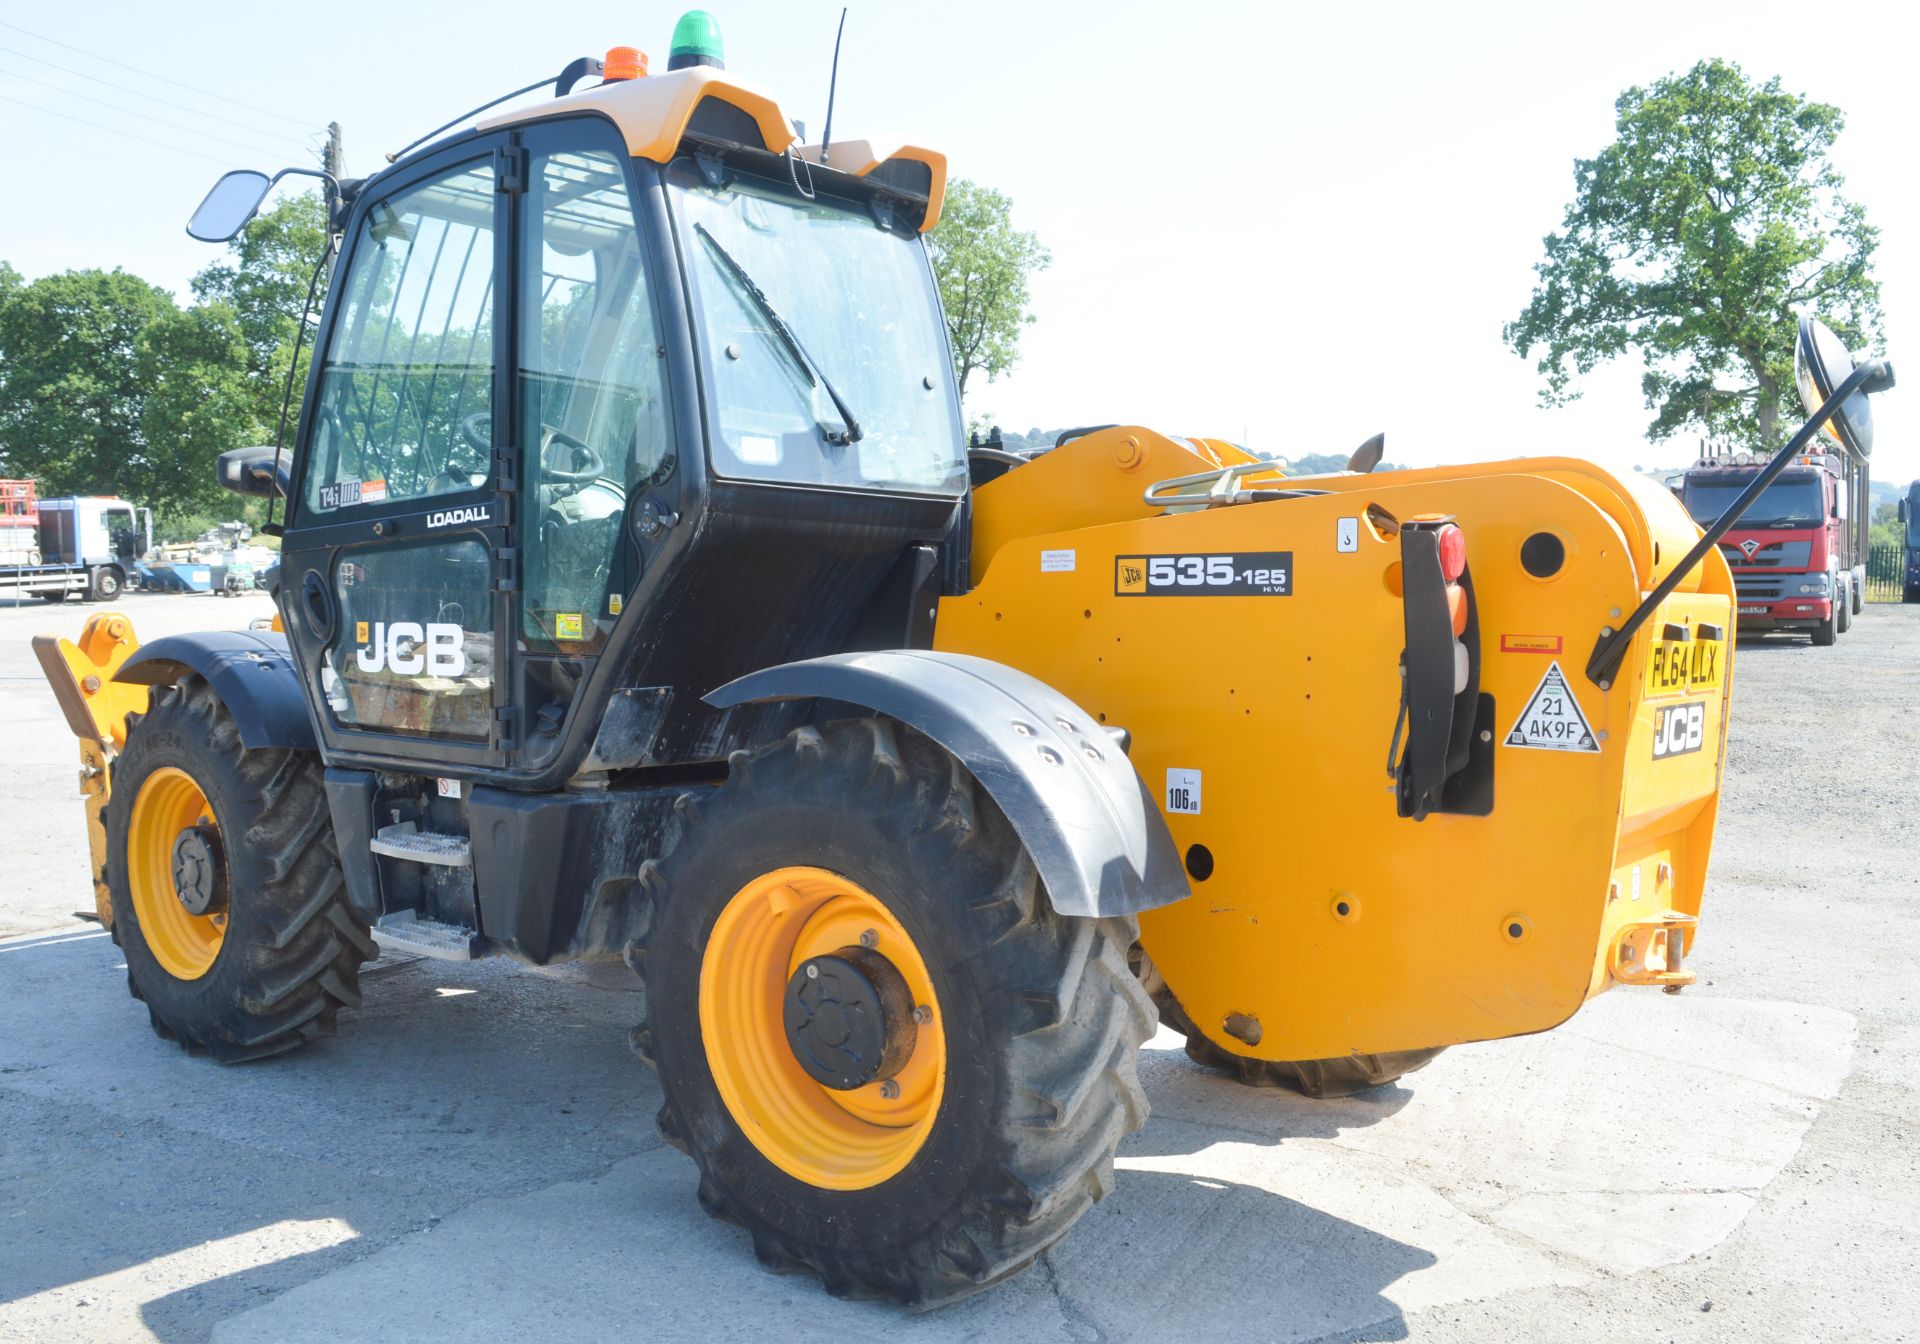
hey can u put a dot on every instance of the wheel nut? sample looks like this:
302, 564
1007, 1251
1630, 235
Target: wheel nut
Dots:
890, 1089
868, 938
813, 972
922, 1015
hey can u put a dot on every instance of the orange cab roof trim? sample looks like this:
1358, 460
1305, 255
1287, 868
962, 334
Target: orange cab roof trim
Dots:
652, 113
861, 157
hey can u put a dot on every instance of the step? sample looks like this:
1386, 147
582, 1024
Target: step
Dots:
404, 840
407, 932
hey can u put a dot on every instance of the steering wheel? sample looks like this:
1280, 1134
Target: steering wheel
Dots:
588, 464
471, 427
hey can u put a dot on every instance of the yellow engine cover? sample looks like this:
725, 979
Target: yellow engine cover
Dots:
1262, 713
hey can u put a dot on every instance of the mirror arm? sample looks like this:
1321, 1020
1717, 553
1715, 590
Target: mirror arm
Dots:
1611, 648
332, 184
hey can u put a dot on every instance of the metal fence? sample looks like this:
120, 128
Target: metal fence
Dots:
1886, 573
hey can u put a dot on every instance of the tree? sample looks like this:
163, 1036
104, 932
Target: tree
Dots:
1694, 237
982, 263
264, 281
199, 403
70, 390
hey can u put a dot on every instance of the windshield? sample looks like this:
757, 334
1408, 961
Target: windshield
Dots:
1788, 502
864, 323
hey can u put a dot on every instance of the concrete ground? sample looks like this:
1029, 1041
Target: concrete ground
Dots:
473, 1156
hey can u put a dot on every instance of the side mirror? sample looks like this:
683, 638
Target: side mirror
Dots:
1900, 509
234, 200
1821, 363
259, 472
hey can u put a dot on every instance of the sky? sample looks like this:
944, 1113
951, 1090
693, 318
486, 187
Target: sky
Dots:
1289, 226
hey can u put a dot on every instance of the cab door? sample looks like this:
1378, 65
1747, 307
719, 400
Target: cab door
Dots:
396, 570
490, 410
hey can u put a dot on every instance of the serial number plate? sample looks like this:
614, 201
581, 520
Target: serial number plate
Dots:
1684, 665
1238, 574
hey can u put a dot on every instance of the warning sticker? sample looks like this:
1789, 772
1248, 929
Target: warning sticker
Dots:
1057, 562
1552, 720
567, 625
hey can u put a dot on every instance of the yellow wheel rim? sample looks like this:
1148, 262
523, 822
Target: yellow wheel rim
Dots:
168, 803
835, 1140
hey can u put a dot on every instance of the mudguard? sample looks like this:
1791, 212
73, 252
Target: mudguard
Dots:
251, 672
1085, 816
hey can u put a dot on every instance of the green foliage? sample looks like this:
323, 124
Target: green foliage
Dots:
1885, 528
1694, 238
983, 264
199, 403
70, 392
107, 386
264, 280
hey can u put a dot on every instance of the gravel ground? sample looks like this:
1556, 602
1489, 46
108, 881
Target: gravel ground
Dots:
473, 1156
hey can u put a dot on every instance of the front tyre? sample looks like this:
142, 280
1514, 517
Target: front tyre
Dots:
228, 900
1828, 631
894, 1064
104, 584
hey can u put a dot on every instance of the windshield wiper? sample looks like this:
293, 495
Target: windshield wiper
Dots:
851, 433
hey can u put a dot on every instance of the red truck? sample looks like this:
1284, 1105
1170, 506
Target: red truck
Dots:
1799, 555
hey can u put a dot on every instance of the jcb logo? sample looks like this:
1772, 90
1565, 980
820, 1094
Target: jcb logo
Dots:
1679, 729
409, 649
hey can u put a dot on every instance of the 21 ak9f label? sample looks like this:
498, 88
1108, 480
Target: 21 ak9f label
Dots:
1235, 574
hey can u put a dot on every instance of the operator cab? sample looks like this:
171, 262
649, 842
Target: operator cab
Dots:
596, 379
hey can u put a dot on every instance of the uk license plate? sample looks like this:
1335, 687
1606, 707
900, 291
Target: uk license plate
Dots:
1685, 665
1753, 611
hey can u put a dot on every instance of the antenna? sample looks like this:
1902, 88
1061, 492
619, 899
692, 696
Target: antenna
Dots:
833, 84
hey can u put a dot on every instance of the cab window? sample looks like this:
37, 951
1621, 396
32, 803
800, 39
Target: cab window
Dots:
594, 427
406, 393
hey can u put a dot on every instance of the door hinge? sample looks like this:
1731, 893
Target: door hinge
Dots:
506, 570
503, 727
506, 472
510, 169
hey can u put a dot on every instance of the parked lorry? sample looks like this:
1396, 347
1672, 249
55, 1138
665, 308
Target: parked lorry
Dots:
89, 545
669, 618
1799, 555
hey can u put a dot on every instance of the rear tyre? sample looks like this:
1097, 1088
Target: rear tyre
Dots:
60, 596
1828, 630
1017, 1087
1320, 1079
104, 584
228, 899
1843, 612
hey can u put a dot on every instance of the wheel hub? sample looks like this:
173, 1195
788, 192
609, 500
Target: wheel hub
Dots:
199, 877
849, 1018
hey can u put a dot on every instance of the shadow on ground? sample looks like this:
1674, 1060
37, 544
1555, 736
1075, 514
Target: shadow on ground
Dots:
475, 1153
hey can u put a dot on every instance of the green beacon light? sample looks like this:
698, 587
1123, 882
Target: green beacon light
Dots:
696, 41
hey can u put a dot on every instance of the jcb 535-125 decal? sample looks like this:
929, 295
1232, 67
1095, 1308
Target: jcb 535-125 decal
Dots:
1239, 574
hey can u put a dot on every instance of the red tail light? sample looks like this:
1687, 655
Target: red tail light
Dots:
1453, 553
